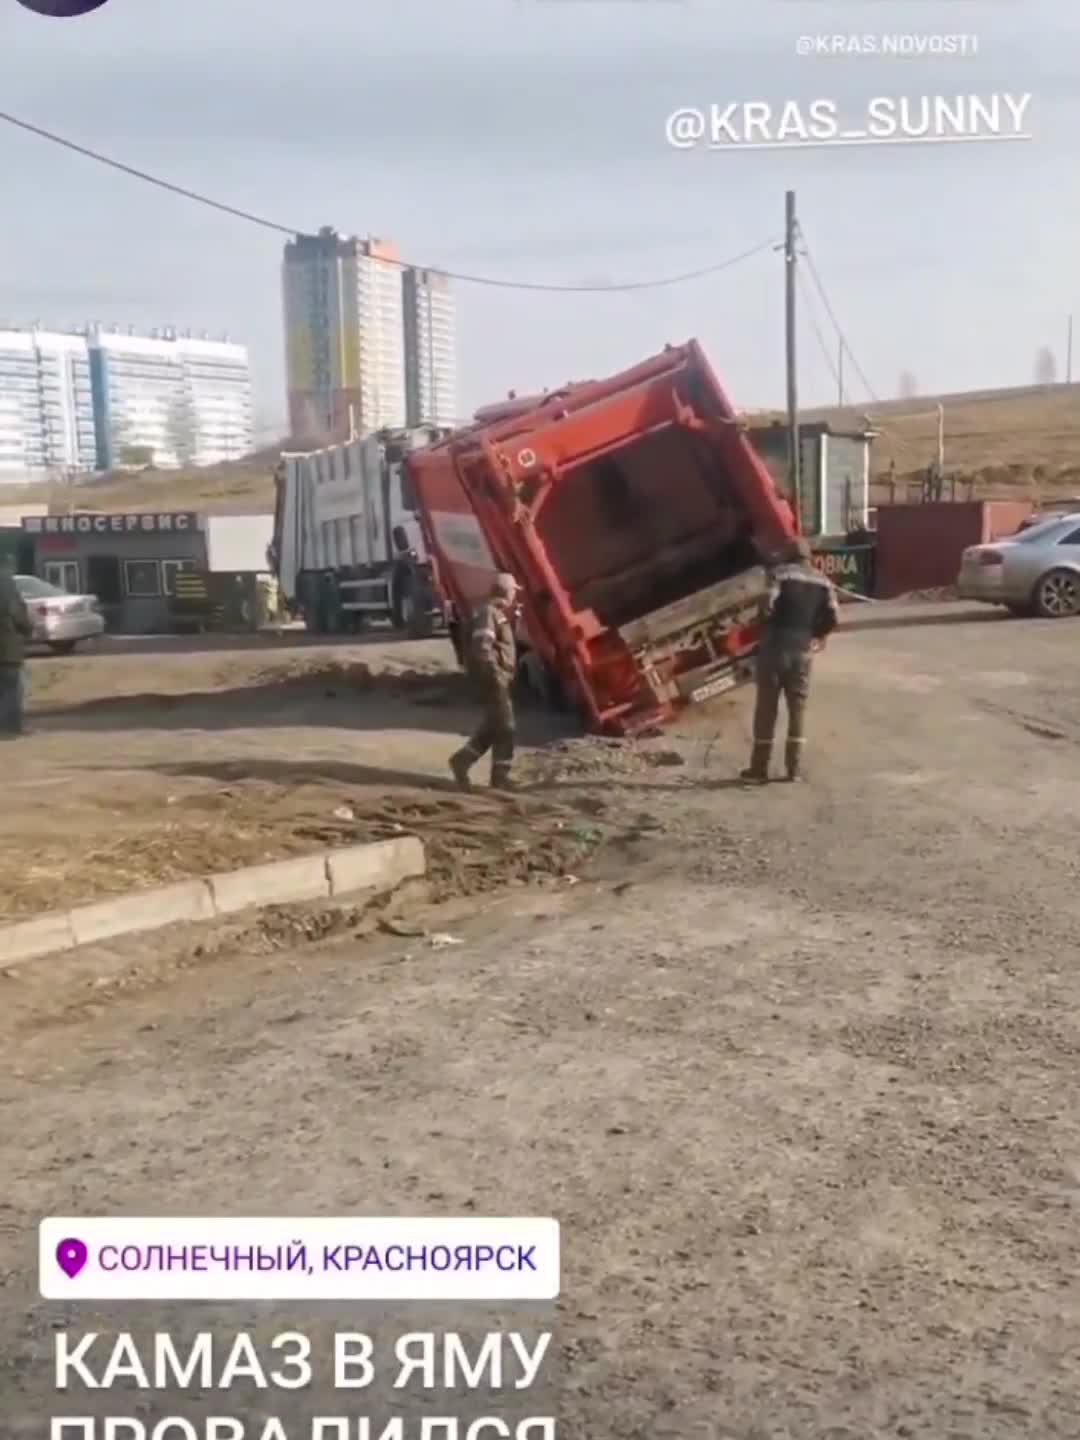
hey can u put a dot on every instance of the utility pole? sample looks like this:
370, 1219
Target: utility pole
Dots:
1068, 355
941, 439
794, 458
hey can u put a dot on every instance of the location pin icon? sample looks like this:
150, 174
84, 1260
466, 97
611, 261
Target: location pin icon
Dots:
71, 1257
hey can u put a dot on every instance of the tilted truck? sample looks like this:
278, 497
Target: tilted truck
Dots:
348, 546
636, 516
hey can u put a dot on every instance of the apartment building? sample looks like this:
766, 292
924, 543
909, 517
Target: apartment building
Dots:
220, 411
88, 401
46, 406
369, 343
430, 348
169, 397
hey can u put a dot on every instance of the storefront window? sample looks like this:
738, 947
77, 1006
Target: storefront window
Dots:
142, 579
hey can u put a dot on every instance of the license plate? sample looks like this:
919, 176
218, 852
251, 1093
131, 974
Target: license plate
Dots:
713, 687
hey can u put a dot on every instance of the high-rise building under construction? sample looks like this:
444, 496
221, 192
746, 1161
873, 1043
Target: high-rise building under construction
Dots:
368, 344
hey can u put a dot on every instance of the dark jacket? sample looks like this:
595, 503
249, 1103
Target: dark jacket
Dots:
800, 608
493, 649
15, 624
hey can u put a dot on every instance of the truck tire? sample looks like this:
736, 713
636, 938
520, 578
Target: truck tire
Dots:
542, 684
1057, 595
412, 609
453, 629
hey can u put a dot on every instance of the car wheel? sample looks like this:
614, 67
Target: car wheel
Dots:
1057, 595
61, 647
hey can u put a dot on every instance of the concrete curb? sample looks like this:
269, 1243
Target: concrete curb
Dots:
379, 865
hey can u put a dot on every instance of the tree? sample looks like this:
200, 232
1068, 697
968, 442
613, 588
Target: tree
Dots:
1045, 367
138, 457
908, 387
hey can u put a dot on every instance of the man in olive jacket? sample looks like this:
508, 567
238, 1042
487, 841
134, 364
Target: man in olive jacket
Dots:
494, 658
800, 614
15, 631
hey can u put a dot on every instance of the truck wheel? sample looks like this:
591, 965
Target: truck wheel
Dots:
1057, 595
453, 629
412, 609
542, 684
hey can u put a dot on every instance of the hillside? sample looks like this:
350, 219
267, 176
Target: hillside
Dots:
1021, 441
239, 487
991, 432
1001, 439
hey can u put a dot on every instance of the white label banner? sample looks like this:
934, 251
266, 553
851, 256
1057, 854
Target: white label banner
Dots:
355, 1258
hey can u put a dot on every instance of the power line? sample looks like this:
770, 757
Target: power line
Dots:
836, 324
294, 230
812, 316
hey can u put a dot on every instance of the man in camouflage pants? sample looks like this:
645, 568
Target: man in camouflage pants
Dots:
493, 655
800, 613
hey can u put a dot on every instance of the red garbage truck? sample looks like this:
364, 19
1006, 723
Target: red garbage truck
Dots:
635, 515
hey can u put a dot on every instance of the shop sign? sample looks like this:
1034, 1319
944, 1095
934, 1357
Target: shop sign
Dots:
139, 523
849, 567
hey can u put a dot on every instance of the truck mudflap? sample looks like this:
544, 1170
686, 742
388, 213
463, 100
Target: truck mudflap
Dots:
698, 647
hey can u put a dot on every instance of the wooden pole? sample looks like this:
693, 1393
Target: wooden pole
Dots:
794, 458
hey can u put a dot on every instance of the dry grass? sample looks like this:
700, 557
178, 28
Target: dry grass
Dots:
1006, 440
239, 487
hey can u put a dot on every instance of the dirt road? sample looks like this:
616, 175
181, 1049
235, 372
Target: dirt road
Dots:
797, 1069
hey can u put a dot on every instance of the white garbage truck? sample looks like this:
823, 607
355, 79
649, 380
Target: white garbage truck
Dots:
348, 548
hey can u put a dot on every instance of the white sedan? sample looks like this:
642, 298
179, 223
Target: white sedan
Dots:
1036, 572
60, 620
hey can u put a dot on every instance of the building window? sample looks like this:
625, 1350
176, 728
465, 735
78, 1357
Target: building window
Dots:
169, 571
64, 574
142, 579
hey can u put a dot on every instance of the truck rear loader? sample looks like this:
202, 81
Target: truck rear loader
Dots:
348, 546
636, 516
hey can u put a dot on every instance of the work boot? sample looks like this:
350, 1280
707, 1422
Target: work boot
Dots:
501, 779
460, 764
757, 772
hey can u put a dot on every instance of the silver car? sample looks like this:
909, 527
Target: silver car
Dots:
1035, 572
60, 620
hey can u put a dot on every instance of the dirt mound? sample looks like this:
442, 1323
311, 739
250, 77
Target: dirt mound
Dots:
936, 596
281, 682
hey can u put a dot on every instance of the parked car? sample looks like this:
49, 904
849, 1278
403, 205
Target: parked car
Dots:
60, 620
1051, 510
1035, 572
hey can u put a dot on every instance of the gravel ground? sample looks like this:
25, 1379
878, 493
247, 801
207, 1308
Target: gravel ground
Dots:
797, 1069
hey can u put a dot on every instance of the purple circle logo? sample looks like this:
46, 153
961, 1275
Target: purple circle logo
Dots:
62, 8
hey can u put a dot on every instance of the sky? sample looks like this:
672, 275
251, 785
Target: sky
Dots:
525, 140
